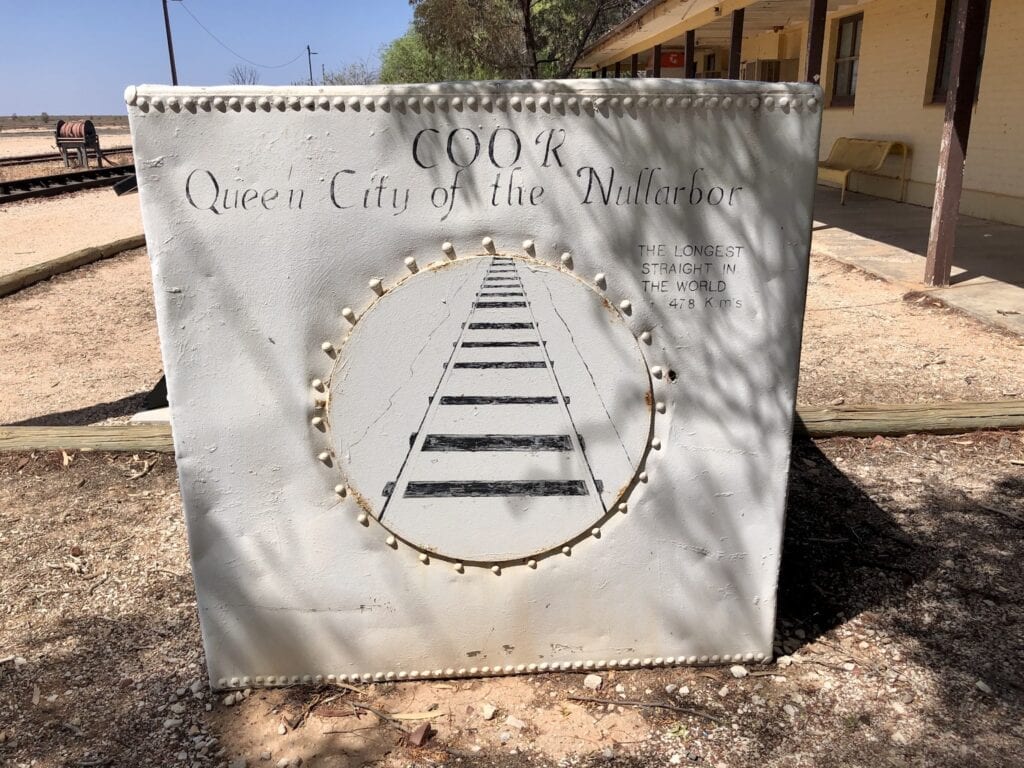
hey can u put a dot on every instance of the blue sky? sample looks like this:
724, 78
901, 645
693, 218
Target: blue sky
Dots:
77, 56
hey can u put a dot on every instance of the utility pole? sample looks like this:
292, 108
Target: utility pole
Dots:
170, 45
309, 57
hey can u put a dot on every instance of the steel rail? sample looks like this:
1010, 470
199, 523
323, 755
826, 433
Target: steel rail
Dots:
60, 183
49, 157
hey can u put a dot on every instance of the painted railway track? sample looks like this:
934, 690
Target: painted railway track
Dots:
475, 443
60, 183
52, 157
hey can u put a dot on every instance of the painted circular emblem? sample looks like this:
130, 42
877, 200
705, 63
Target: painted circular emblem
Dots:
490, 410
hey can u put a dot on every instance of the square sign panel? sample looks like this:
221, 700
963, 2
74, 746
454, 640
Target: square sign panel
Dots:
484, 378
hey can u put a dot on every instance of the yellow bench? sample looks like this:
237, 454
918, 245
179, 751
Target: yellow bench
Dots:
864, 156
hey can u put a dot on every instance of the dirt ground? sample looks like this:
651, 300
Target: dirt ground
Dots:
901, 617
32, 231
900, 630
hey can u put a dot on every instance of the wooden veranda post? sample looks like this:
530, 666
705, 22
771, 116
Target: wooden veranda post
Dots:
657, 61
691, 54
618, 69
968, 21
604, 71
815, 40
736, 44
634, 65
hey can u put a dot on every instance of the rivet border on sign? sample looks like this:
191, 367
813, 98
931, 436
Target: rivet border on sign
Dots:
536, 96
497, 670
320, 421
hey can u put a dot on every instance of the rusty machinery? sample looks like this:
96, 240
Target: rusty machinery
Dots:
78, 137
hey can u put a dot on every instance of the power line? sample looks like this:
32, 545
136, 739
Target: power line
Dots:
232, 51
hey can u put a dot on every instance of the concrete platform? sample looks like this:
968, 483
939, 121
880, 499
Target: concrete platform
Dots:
890, 240
157, 415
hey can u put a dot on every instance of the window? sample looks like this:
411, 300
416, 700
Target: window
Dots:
943, 61
844, 82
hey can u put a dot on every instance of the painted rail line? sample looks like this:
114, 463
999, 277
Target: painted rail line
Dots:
487, 445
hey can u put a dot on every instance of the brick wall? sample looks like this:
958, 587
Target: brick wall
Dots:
894, 90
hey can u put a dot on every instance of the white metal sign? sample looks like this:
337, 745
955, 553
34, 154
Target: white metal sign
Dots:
477, 379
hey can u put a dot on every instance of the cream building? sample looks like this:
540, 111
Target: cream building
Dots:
884, 70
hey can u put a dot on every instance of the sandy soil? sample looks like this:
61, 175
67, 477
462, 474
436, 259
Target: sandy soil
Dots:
80, 347
864, 342
13, 143
900, 627
32, 231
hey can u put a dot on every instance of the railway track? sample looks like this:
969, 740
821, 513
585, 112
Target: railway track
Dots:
60, 183
51, 157
477, 445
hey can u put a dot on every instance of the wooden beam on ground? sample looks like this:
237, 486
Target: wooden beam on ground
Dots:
690, 53
736, 44
908, 418
634, 65
657, 61
113, 437
815, 40
968, 21
23, 278
848, 421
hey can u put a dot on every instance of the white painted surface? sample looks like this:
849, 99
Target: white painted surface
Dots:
291, 582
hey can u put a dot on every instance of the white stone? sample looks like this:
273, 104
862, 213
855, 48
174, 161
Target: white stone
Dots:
487, 711
982, 686
515, 722
293, 257
738, 671
593, 682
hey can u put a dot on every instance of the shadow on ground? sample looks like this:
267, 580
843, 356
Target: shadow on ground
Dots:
983, 248
926, 571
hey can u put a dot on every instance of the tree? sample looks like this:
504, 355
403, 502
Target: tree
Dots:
44, 117
243, 74
354, 73
516, 38
407, 60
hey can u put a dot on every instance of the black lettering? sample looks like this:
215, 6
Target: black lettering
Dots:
549, 149
334, 198
476, 147
416, 148
212, 207
493, 141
